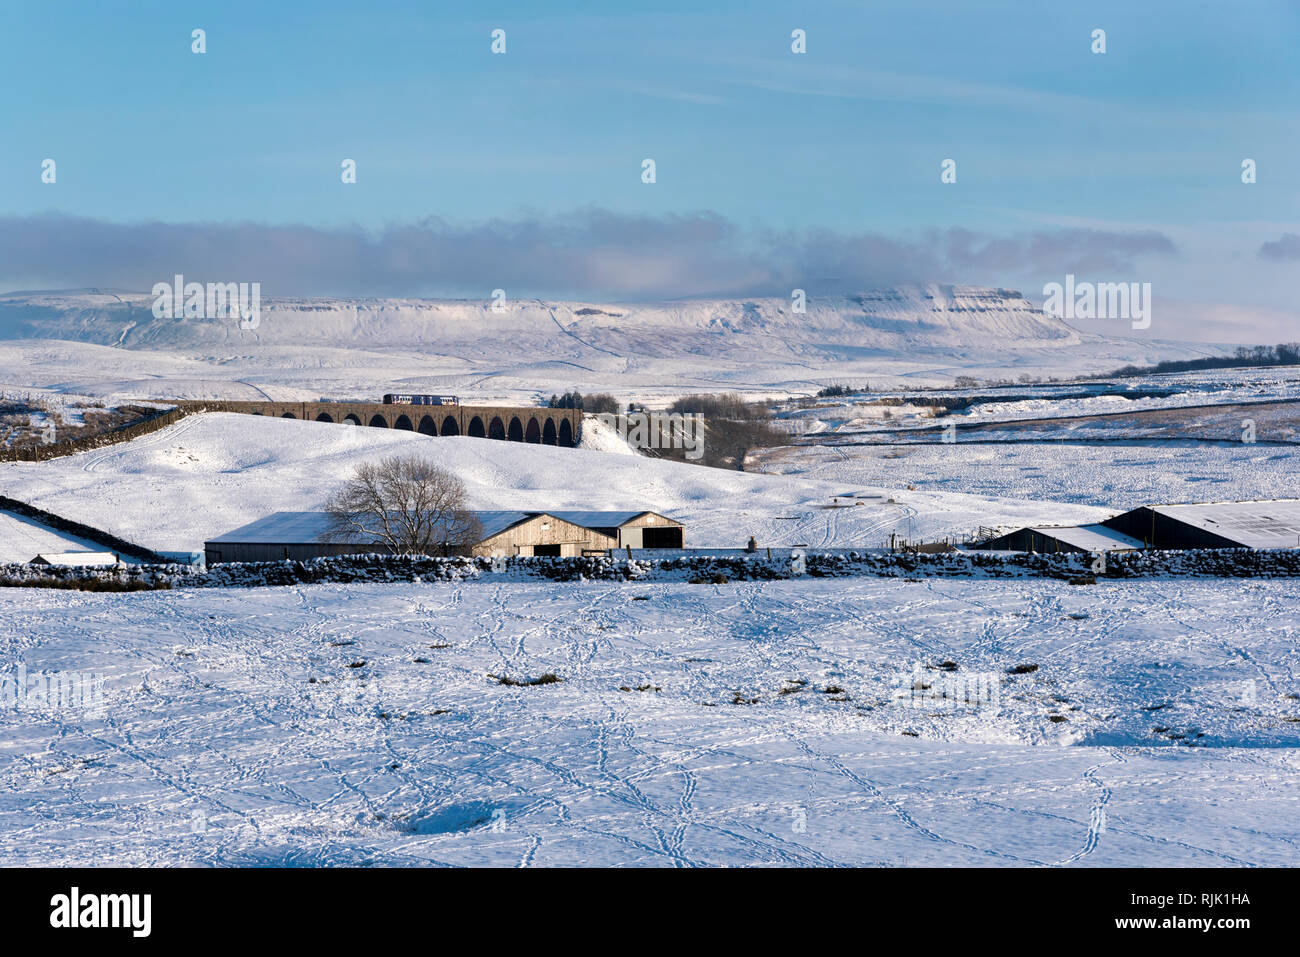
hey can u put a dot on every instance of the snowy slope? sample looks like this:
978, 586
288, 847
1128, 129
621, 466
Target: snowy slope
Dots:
208, 474
22, 539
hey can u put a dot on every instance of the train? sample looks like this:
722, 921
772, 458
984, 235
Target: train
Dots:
397, 398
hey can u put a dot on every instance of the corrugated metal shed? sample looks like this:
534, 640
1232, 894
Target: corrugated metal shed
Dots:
1265, 524
1090, 538
1273, 523
1064, 538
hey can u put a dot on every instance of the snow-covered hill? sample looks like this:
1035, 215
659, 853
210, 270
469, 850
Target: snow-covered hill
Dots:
923, 317
304, 348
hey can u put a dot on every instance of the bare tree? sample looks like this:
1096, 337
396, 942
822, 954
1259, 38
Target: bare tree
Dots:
406, 503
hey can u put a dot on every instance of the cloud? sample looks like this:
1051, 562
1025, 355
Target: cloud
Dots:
1091, 251
592, 253
1285, 249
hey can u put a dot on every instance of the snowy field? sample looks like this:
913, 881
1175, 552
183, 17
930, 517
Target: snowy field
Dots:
1244, 388
1114, 476
744, 724
208, 474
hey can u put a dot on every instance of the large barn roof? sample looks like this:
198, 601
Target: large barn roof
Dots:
1267, 524
280, 528
312, 528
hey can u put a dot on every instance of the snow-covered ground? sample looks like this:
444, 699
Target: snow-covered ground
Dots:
762, 723
1116, 477
868, 411
22, 539
210, 473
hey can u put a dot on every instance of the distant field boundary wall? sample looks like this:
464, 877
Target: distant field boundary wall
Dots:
708, 571
123, 433
1074, 568
533, 424
119, 546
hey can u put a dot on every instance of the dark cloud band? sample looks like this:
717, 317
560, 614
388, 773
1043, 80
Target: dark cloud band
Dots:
592, 253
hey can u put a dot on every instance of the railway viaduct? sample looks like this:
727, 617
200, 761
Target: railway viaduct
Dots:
562, 427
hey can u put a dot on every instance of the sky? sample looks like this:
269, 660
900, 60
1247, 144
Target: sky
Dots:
524, 169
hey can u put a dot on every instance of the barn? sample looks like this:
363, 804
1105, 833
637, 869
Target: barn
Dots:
299, 536
293, 536
575, 532
1274, 523
1064, 538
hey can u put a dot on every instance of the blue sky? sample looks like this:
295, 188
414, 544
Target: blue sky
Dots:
846, 139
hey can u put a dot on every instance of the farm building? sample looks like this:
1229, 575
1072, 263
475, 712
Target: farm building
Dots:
1069, 538
573, 532
299, 536
292, 536
1266, 524
71, 559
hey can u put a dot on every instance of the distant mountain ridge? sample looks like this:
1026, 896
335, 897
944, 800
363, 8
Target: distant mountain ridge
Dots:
924, 318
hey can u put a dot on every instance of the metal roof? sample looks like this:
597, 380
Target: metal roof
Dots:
1091, 538
312, 528
1266, 524
280, 528
496, 522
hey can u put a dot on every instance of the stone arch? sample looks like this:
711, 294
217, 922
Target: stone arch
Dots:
288, 415
351, 419
404, 422
533, 434
566, 433
497, 429
516, 431
476, 428
450, 426
548, 432
428, 426
377, 421
324, 417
